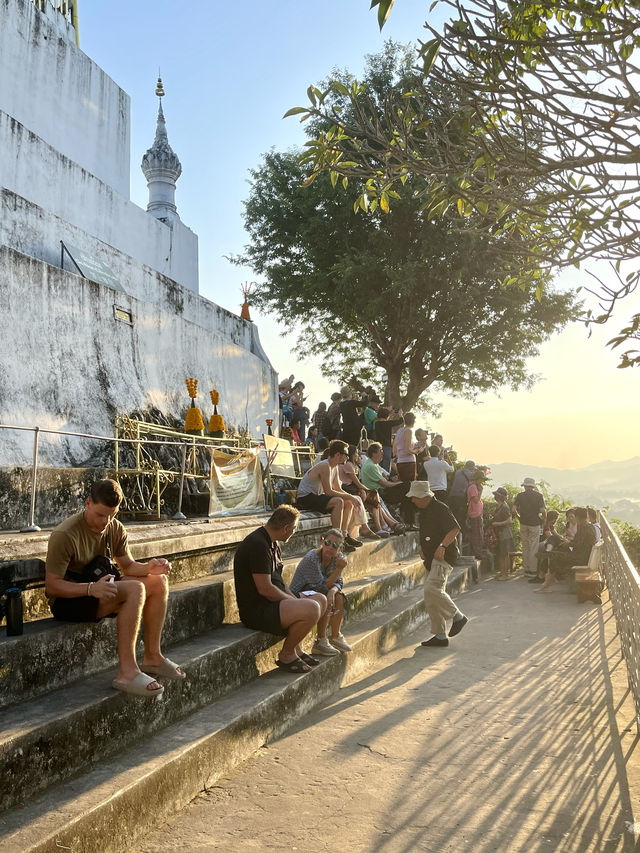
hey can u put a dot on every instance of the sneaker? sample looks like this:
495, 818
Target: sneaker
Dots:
355, 543
383, 534
348, 549
322, 646
339, 642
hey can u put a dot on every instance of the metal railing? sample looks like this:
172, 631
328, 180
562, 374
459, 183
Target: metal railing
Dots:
623, 582
137, 434
67, 8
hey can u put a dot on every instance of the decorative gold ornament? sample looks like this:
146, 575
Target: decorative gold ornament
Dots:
247, 290
216, 424
216, 421
192, 387
193, 420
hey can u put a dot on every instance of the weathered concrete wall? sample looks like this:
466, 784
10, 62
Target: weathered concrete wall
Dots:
68, 364
51, 87
60, 492
64, 138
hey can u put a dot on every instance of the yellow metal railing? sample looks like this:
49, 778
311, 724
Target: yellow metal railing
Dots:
67, 8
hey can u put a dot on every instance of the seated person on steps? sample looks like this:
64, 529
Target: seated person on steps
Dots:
320, 490
139, 595
320, 570
264, 601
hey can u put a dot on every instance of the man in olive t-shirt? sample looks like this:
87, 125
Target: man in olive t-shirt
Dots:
141, 593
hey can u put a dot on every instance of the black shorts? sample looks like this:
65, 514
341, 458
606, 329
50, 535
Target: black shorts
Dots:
82, 609
265, 618
318, 503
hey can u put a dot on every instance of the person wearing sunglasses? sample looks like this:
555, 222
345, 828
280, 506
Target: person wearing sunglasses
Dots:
320, 571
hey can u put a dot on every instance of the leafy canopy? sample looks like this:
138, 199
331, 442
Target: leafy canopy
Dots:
397, 292
546, 134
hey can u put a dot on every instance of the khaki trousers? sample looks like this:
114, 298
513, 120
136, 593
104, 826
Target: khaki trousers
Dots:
530, 538
437, 602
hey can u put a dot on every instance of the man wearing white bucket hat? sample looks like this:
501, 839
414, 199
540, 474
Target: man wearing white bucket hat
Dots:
438, 531
529, 509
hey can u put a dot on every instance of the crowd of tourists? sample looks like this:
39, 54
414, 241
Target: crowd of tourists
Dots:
91, 575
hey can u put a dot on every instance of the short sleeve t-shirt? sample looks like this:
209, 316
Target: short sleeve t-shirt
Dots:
370, 474
474, 508
435, 521
436, 471
529, 505
256, 555
310, 573
73, 545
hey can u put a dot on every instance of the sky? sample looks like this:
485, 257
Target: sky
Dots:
230, 72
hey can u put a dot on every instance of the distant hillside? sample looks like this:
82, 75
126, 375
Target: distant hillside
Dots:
614, 486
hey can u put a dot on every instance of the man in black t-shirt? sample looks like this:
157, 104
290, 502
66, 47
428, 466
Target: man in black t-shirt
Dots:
529, 508
264, 601
352, 420
438, 531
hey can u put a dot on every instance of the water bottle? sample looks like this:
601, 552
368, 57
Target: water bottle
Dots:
13, 612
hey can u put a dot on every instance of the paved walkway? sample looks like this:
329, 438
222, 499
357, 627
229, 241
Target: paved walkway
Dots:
518, 737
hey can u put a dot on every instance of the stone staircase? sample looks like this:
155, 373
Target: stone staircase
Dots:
86, 768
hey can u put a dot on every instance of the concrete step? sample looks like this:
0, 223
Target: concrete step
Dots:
107, 808
39, 660
195, 548
100, 722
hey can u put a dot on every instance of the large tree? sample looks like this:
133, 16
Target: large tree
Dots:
399, 292
547, 133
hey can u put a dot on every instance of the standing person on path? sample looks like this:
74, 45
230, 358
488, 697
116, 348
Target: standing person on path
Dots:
530, 510
439, 551
475, 508
264, 601
501, 522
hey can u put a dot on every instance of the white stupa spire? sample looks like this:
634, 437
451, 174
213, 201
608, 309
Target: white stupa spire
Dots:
162, 169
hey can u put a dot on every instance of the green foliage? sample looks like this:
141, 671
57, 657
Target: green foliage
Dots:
545, 143
629, 535
396, 291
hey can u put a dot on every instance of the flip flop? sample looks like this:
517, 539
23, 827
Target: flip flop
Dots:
139, 686
295, 666
167, 669
308, 659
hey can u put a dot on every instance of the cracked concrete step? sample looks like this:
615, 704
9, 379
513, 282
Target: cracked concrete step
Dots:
34, 744
108, 808
38, 661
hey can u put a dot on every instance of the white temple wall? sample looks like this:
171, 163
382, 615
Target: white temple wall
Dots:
51, 87
68, 364
35, 171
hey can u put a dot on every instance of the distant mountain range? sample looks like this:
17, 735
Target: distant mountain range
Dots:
612, 486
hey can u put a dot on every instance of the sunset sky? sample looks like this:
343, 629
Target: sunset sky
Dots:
230, 72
